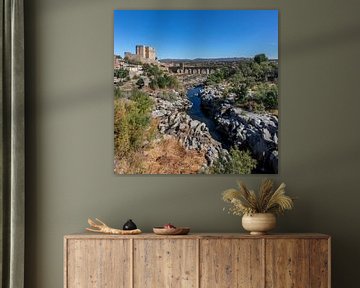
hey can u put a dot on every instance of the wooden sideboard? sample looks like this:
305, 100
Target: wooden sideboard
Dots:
197, 260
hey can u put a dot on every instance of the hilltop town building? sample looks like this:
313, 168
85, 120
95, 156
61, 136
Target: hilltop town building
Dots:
118, 62
146, 52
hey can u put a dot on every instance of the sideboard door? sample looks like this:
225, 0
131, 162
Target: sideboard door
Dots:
287, 263
297, 263
320, 263
165, 263
231, 263
98, 263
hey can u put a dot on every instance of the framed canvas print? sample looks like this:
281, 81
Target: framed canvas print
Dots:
196, 92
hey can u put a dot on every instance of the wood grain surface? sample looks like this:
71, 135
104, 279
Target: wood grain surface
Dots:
89, 235
319, 263
197, 260
287, 263
98, 264
231, 263
165, 263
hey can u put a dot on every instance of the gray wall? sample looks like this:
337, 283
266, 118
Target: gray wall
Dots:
70, 131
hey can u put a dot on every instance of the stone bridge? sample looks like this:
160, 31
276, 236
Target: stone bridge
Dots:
205, 70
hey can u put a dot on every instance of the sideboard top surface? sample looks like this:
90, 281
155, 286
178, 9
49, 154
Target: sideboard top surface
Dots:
87, 235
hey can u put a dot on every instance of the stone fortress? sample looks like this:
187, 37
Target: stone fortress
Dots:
146, 54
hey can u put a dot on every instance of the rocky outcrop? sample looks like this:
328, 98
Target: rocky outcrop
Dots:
166, 108
257, 132
192, 134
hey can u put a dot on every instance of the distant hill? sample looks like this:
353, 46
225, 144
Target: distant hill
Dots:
231, 59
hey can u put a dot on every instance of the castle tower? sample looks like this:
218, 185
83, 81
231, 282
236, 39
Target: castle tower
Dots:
140, 50
145, 52
150, 53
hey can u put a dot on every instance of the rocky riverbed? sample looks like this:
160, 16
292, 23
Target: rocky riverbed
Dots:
245, 130
192, 134
257, 132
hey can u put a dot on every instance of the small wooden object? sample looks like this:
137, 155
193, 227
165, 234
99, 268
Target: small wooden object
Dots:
101, 227
171, 231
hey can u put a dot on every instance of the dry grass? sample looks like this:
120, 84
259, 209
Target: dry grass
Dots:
170, 157
274, 112
167, 156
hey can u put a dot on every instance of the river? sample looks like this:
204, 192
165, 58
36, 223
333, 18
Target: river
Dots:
196, 113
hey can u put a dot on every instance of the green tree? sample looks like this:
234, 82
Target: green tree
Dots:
217, 77
245, 69
257, 71
270, 100
237, 78
260, 58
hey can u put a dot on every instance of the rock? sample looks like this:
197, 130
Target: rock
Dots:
245, 130
182, 127
174, 121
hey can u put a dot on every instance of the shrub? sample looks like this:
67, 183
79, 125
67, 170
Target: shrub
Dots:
153, 84
240, 92
164, 81
161, 81
236, 162
253, 106
142, 101
132, 120
171, 81
216, 77
267, 95
121, 73
140, 83
237, 78
152, 70
121, 129
270, 100
119, 93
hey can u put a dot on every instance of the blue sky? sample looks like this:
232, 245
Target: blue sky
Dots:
198, 33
